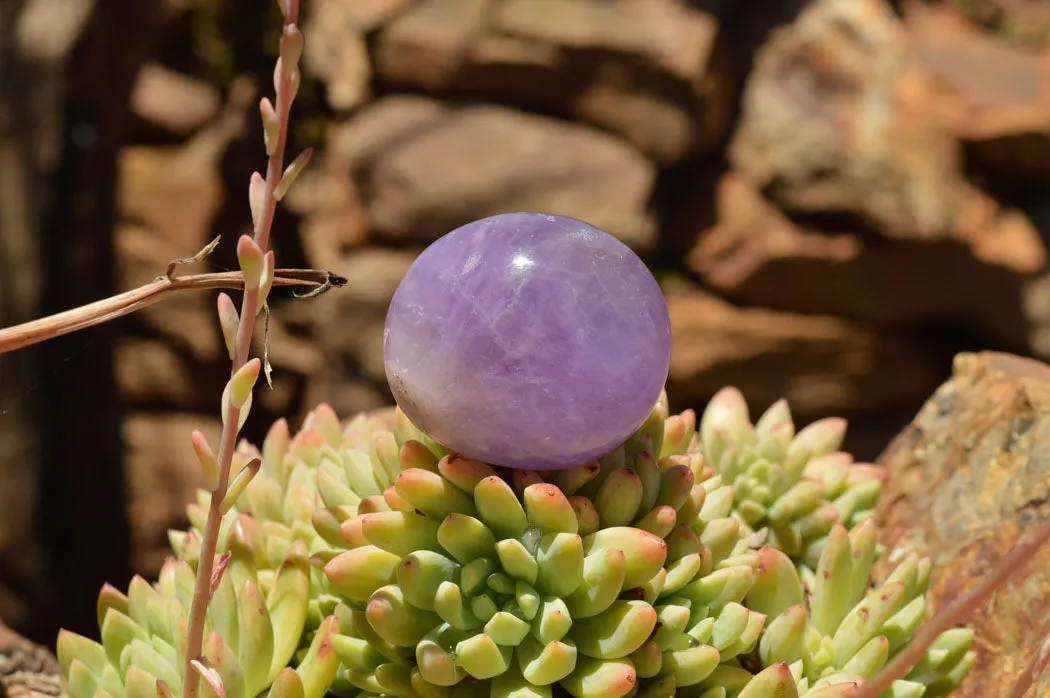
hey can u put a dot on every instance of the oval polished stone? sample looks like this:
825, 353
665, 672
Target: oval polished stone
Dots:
528, 340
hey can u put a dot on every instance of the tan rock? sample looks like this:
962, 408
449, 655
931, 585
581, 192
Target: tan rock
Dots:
334, 219
351, 321
521, 71
336, 53
152, 372
369, 15
1023, 24
821, 364
966, 478
425, 46
347, 396
167, 200
755, 254
162, 477
186, 319
826, 125
661, 119
289, 346
177, 103
978, 86
375, 132
350, 331
665, 32
1036, 304
986, 88
647, 70
483, 160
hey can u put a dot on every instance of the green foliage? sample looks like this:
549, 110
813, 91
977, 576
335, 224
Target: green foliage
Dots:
730, 561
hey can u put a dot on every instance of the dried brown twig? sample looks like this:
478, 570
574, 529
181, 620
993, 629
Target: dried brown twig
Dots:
315, 281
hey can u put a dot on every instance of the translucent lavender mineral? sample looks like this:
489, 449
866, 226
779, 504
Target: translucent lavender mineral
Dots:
528, 340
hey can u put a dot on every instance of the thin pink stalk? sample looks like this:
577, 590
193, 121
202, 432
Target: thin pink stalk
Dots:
250, 305
954, 614
1033, 671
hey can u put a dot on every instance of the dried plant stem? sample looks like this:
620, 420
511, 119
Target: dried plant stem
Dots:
250, 306
954, 613
99, 312
1033, 671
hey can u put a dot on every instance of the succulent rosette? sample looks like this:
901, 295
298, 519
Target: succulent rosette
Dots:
796, 485
622, 574
834, 627
305, 487
253, 629
631, 575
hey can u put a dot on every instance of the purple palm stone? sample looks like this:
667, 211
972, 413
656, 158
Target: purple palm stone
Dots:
528, 340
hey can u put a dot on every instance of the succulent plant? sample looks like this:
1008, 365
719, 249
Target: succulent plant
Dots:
431, 574
832, 626
795, 485
629, 575
523, 583
254, 626
305, 487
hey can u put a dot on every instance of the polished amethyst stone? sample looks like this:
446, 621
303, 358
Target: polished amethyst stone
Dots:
528, 340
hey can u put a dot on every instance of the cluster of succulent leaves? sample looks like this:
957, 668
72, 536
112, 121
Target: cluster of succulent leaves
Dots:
734, 560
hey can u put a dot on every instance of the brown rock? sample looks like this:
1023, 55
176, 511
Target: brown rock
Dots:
177, 103
153, 372
162, 477
665, 32
825, 127
336, 53
978, 86
27, 670
352, 320
482, 160
334, 219
985, 89
821, 364
647, 70
666, 120
1024, 24
352, 378
347, 396
390, 122
424, 47
966, 479
368, 15
167, 199
757, 255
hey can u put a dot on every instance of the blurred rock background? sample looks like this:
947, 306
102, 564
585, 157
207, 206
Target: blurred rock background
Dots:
837, 195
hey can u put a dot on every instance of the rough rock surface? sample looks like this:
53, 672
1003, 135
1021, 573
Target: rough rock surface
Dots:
172, 101
375, 274
338, 55
647, 70
825, 128
756, 254
985, 89
822, 364
167, 201
162, 477
966, 478
481, 160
